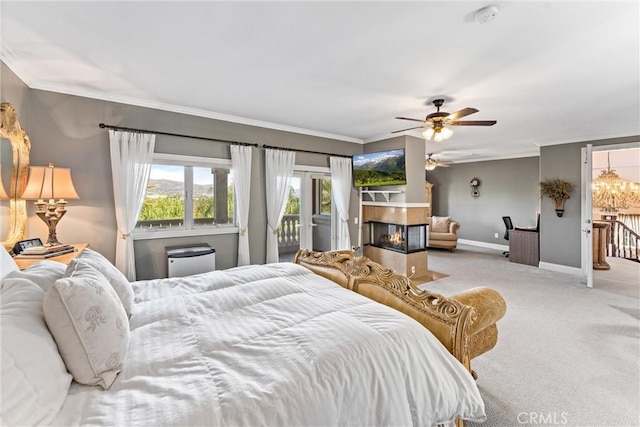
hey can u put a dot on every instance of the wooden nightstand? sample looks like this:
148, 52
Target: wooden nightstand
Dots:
64, 258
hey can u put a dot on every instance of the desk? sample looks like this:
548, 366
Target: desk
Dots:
23, 263
524, 247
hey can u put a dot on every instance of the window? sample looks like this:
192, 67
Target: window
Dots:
187, 195
322, 196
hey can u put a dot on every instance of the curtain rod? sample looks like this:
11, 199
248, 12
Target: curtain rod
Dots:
305, 151
103, 126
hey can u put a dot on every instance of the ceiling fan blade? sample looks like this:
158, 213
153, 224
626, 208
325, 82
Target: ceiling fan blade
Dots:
409, 118
461, 113
442, 165
402, 130
473, 123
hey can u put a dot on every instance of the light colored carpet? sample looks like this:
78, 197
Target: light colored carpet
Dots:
566, 355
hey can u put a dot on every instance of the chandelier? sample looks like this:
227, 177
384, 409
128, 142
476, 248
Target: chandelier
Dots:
612, 194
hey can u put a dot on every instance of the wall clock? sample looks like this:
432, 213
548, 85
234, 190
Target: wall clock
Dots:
475, 183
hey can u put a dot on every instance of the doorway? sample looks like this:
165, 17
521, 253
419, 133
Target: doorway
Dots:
598, 224
308, 219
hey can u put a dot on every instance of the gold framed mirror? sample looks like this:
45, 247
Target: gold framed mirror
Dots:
20, 148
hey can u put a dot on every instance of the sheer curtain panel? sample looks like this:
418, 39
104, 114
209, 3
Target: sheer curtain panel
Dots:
131, 157
341, 191
241, 170
278, 174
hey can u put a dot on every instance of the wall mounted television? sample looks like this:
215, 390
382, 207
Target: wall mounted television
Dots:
380, 168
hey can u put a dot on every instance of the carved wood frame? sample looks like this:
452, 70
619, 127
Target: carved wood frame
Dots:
354, 272
20, 147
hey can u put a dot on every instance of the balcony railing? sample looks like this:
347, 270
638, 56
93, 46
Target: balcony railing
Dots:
623, 242
289, 234
164, 224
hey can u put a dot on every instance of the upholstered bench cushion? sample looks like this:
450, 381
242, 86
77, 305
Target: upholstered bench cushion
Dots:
443, 236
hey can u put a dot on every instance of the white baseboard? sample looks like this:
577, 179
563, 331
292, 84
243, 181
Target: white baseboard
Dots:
484, 244
574, 271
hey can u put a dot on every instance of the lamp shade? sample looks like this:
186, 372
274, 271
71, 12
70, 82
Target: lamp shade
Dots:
428, 134
48, 182
437, 133
3, 193
446, 132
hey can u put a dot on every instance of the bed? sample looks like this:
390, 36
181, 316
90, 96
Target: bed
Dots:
274, 344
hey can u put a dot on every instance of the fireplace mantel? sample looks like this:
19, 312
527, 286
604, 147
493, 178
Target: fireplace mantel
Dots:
397, 204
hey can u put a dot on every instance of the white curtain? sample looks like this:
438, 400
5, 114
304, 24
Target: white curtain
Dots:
630, 220
241, 171
341, 192
131, 157
278, 173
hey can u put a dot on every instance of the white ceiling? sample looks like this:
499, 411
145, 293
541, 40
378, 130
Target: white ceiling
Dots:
626, 163
549, 72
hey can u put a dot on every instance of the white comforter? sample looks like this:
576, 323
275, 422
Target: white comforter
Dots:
274, 345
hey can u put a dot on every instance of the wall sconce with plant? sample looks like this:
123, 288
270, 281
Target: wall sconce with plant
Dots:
557, 190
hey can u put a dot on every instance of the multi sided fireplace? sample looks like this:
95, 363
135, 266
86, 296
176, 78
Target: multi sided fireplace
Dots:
401, 238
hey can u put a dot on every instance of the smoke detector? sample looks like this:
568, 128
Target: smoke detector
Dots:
486, 14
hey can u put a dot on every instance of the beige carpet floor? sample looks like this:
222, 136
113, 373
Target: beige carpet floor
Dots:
566, 355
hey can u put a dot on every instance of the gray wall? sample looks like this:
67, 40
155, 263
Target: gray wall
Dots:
508, 188
64, 130
560, 238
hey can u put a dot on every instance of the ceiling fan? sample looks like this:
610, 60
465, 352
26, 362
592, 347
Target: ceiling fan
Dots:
430, 164
436, 123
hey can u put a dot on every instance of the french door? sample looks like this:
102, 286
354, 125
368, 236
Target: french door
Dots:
308, 219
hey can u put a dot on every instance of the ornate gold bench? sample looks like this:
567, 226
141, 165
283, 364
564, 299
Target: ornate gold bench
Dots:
464, 323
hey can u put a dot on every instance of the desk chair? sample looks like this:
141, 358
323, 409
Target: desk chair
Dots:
509, 226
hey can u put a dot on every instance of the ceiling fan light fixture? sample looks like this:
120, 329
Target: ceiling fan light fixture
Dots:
428, 134
446, 132
438, 137
430, 165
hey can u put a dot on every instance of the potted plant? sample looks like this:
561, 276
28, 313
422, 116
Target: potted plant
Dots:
558, 190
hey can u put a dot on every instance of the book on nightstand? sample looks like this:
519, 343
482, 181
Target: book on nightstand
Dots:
44, 252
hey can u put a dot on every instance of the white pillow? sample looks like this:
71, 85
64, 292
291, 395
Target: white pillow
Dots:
42, 273
35, 381
118, 280
89, 324
7, 264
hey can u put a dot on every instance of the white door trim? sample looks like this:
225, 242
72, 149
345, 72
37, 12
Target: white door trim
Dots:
586, 214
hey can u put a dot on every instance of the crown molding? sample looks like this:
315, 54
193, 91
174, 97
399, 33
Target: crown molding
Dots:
7, 57
157, 105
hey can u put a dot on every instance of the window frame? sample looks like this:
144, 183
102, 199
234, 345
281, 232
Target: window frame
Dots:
193, 161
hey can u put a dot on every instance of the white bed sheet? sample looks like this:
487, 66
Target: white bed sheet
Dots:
274, 345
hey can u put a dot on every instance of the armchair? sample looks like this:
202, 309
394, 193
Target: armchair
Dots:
443, 232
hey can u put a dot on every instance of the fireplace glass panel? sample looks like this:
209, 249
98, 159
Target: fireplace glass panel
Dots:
398, 237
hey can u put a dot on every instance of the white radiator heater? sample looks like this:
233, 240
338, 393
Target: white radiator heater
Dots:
186, 260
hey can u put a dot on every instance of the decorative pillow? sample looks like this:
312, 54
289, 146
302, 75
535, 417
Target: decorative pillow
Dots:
118, 280
43, 273
7, 264
89, 324
440, 224
35, 381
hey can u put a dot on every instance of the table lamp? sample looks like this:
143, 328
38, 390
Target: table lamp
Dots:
49, 182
